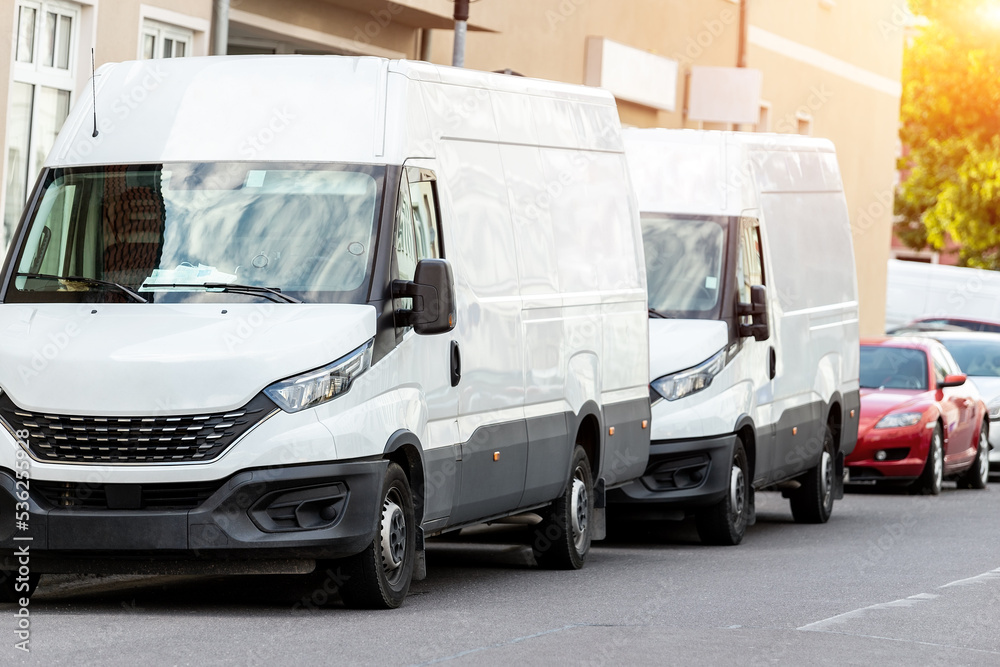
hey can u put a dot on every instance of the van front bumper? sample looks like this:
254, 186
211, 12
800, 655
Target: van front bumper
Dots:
319, 511
682, 474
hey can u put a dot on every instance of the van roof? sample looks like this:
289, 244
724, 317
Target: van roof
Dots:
703, 172
282, 108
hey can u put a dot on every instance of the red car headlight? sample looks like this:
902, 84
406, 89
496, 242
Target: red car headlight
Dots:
899, 419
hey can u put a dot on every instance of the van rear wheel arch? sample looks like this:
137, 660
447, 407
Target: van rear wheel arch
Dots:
589, 435
835, 421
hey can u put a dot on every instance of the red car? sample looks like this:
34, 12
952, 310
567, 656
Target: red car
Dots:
920, 421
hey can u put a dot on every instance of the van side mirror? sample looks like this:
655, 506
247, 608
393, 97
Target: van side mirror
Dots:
433, 292
757, 309
952, 381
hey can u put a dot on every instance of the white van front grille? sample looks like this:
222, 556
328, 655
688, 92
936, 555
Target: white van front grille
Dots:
137, 440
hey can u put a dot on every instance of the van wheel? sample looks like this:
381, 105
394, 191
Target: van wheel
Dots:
9, 586
725, 522
562, 539
813, 501
379, 577
929, 482
978, 475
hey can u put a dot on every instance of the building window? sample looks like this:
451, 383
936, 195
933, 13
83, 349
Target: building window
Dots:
805, 124
44, 76
162, 40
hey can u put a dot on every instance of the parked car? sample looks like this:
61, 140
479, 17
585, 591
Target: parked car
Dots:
753, 325
978, 355
313, 308
921, 420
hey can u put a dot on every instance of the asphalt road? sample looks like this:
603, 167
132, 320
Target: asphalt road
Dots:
892, 579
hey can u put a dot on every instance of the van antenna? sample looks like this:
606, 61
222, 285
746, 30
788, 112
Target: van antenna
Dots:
93, 83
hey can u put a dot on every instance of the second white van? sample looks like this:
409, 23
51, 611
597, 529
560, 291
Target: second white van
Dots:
753, 325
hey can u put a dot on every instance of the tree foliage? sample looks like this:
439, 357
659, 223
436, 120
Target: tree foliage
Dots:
950, 130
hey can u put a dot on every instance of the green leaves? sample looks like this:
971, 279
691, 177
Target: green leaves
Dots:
950, 128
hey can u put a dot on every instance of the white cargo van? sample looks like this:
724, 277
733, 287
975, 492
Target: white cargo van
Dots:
281, 310
753, 325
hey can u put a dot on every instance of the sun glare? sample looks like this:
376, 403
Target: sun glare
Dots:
991, 12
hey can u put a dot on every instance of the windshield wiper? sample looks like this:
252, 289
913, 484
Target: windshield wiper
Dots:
653, 312
271, 293
88, 281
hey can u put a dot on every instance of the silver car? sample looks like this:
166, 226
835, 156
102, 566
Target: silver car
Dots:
978, 355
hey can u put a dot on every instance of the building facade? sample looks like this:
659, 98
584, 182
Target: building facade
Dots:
829, 68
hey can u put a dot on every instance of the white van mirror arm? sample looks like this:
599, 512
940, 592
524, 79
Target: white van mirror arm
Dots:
759, 329
433, 292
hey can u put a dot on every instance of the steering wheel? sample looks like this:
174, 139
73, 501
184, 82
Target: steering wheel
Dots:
902, 382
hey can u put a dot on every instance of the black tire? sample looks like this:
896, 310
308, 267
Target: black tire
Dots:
12, 590
813, 501
929, 482
562, 539
725, 523
379, 577
978, 474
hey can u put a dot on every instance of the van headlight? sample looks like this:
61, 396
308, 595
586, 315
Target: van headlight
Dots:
691, 381
322, 385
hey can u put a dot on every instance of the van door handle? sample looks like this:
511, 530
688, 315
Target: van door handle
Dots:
456, 364
772, 363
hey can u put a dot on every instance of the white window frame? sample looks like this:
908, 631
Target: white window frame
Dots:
165, 23
161, 32
34, 72
39, 76
73, 79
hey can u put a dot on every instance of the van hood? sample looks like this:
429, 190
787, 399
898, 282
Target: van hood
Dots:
675, 345
164, 359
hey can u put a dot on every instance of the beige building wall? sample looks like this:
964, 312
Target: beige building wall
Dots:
852, 96
119, 24
834, 66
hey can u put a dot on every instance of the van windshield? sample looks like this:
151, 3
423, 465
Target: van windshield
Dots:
685, 256
163, 231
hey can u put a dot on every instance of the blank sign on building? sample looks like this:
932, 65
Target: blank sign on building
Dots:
724, 94
632, 74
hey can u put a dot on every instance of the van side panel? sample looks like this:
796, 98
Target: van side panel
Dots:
547, 284
601, 273
491, 393
543, 322
814, 300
